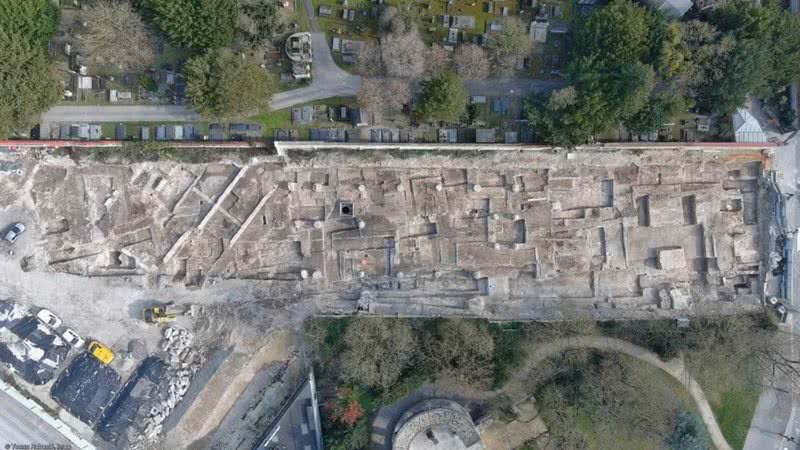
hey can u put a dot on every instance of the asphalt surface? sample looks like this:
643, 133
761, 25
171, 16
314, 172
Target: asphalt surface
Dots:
128, 113
776, 421
18, 425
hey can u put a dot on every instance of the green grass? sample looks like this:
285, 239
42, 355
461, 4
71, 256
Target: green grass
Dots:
282, 119
734, 412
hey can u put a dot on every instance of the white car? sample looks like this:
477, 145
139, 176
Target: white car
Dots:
15, 232
48, 318
72, 338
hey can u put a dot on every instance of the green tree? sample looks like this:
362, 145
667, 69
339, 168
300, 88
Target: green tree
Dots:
260, 21
772, 29
28, 83
442, 98
689, 433
34, 20
619, 33
221, 85
198, 24
378, 351
740, 74
569, 117
654, 114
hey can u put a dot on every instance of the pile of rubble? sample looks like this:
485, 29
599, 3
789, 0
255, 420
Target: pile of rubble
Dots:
184, 361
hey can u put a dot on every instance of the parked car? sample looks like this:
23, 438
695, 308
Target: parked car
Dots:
72, 338
15, 232
48, 318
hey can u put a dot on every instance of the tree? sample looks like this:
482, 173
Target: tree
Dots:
462, 351
384, 94
442, 98
259, 21
654, 114
220, 85
689, 433
403, 54
569, 117
438, 59
28, 83
770, 28
471, 62
740, 74
378, 351
616, 34
508, 44
32, 20
197, 24
369, 61
115, 36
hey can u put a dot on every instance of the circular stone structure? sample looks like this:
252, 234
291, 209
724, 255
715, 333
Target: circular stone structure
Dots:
436, 424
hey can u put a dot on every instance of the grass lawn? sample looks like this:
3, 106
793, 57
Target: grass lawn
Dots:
734, 410
282, 119
732, 392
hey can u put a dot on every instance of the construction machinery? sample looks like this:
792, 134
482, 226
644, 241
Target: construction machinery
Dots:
168, 312
101, 352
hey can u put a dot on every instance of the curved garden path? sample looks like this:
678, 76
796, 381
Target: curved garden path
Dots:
674, 368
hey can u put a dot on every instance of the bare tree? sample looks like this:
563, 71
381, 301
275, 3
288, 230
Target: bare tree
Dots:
472, 62
438, 59
369, 61
508, 44
115, 36
378, 350
462, 351
403, 54
384, 94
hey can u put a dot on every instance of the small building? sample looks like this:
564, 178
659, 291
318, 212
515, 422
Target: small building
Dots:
500, 105
538, 30
144, 133
670, 8
452, 36
174, 132
302, 115
95, 132
511, 137
84, 83
216, 132
325, 11
485, 135
359, 117
351, 50
478, 99
336, 44
246, 130
671, 259
494, 26
327, 134
298, 50
120, 132
298, 424
462, 22
161, 133
747, 128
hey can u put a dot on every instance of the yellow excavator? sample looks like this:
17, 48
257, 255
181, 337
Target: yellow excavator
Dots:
163, 313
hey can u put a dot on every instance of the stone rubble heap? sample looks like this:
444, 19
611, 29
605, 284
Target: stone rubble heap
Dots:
184, 361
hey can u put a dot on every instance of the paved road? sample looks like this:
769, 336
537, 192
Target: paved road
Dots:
128, 113
674, 368
777, 414
327, 79
20, 426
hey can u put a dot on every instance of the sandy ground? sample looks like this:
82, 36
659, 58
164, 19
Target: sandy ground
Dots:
235, 314
221, 393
